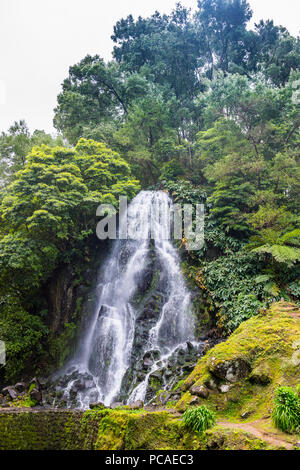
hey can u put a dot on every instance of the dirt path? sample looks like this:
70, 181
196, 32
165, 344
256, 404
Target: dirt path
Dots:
254, 428
290, 309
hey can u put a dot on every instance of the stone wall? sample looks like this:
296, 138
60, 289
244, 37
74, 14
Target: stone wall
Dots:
22, 429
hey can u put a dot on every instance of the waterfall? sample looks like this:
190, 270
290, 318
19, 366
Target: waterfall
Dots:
108, 348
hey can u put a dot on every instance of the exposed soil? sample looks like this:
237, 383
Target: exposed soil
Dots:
275, 438
290, 309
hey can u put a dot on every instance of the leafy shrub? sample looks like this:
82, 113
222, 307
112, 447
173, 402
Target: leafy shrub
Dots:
24, 335
286, 413
171, 170
199, 419
183, 192
238, 310
230, 284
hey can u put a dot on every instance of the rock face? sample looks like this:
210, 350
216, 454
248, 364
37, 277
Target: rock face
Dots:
148, 300
232, 370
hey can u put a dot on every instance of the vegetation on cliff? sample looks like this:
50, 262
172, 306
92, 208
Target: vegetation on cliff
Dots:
239, 378
198, 104
48, 213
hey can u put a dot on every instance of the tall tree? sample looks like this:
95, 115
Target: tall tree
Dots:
279, 52
166, 48
15, 145
222, 24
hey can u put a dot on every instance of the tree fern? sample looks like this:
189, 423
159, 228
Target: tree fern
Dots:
284, 248
281, 253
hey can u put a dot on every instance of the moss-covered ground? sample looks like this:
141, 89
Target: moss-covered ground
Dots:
267, 346
114, 430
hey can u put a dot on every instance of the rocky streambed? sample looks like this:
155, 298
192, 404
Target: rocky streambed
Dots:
162, 376
64, 391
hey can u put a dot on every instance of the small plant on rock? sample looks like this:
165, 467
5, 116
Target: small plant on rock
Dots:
199, 419
286, 413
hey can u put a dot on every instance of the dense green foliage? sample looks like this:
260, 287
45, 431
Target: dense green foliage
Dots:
199, 419
197, 104
16, 144
286, 413
48, 214
50, 207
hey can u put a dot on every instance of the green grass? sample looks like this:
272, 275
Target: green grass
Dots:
286, 413
199, 419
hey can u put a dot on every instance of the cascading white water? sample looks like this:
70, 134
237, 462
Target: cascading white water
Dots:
105, 352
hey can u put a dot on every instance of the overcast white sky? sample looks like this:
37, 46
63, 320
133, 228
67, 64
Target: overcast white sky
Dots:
40, 39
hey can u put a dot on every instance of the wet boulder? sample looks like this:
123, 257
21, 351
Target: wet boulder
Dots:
77, 386
4, 401
194, 401
97, 405
36, 395
116, 404
168, 373
137, 405
199, 391
150, 357
231, 370
44, 382
10, 392
157, 374
224, 388
89, 384
20, 387
147, 362
163, 398
261, 375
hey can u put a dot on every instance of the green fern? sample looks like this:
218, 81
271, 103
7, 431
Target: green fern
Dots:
283, 249
270, 285
282, 254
